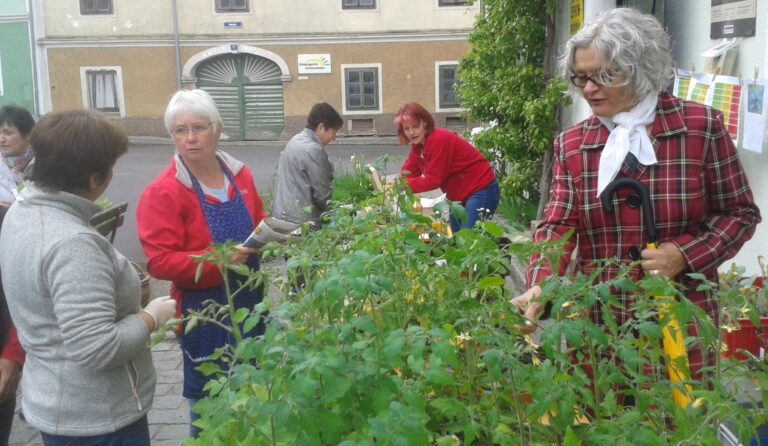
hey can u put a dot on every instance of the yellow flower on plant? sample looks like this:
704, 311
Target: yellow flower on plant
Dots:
460, 340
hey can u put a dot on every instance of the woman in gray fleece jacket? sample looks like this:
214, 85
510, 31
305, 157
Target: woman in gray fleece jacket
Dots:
73, 298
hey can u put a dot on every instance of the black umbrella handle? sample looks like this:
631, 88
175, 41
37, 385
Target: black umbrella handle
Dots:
607, 199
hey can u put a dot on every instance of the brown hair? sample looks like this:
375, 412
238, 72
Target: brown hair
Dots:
72, 146
413, 112
18, 117
323, 113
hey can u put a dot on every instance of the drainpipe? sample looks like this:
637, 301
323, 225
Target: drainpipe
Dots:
176, 45
33, 57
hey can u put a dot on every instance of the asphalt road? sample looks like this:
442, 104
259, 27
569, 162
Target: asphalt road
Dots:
145, 160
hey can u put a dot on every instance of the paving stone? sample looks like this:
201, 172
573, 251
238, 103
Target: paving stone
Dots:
168, 416
171, 432
23, 434
154, 429
167, 443
168, 402
167, 364
170, 376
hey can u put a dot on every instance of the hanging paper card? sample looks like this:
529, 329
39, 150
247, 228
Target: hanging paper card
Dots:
755, 106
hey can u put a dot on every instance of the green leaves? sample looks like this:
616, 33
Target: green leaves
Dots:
381, 338
505, 84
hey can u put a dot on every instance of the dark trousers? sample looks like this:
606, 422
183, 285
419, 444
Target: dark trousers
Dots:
6, 419
135, 434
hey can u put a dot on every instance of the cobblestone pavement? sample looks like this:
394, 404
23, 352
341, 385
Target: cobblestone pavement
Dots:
169, 416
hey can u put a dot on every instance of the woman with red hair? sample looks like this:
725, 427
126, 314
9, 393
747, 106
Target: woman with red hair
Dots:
441, 159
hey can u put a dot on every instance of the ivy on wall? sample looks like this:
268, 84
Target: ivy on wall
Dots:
506, 81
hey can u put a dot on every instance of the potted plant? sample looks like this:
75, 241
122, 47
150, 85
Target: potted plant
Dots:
382, 338
745, 324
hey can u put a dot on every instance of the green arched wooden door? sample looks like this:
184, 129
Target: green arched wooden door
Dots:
249, 94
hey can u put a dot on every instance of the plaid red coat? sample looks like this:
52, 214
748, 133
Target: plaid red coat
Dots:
701, 199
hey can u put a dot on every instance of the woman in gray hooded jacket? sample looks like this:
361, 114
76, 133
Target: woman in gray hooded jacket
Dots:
88, 376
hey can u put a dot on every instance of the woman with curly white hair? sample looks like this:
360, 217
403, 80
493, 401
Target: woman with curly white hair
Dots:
680, 151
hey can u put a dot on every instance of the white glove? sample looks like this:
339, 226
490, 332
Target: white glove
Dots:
162, 309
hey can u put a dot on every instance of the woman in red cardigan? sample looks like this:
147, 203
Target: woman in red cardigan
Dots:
204, 196
441, 159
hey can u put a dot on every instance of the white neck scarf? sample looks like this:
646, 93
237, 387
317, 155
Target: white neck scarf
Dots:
628, 135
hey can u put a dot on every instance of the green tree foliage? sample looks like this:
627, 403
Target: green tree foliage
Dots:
506, 79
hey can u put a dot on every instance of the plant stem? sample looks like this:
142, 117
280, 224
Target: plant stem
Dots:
231, 307
597, 396
272, 426
220, 324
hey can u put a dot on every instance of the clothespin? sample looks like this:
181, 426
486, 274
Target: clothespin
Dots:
757, 70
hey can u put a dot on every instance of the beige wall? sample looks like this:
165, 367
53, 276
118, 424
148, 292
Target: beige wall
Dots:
407, 70
405, 37
131, 18
267, 17
148, 74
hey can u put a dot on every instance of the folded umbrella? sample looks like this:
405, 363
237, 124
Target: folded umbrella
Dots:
673, 340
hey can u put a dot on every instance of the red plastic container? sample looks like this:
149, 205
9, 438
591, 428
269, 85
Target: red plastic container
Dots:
747, 338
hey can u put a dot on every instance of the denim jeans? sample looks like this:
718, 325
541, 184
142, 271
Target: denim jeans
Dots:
480, 205
135, 434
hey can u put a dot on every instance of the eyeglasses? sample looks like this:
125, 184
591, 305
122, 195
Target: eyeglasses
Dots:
599, 80
182, 132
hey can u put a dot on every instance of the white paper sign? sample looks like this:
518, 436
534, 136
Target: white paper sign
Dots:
314, 63
755, 109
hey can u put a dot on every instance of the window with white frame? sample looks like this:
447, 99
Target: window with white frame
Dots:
361, 88
445, 85
102, 89
232, 6
95, 7
358, 4
452, 2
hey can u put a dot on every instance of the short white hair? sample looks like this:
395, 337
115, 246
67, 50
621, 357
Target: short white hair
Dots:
628, 42
192, 102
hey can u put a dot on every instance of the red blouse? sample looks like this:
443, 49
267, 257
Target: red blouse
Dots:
447, 161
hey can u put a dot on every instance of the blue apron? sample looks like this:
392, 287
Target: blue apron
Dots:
228, 221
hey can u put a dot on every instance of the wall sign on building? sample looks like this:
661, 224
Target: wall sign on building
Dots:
233, 25
733, 18
577, 15
314, 63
